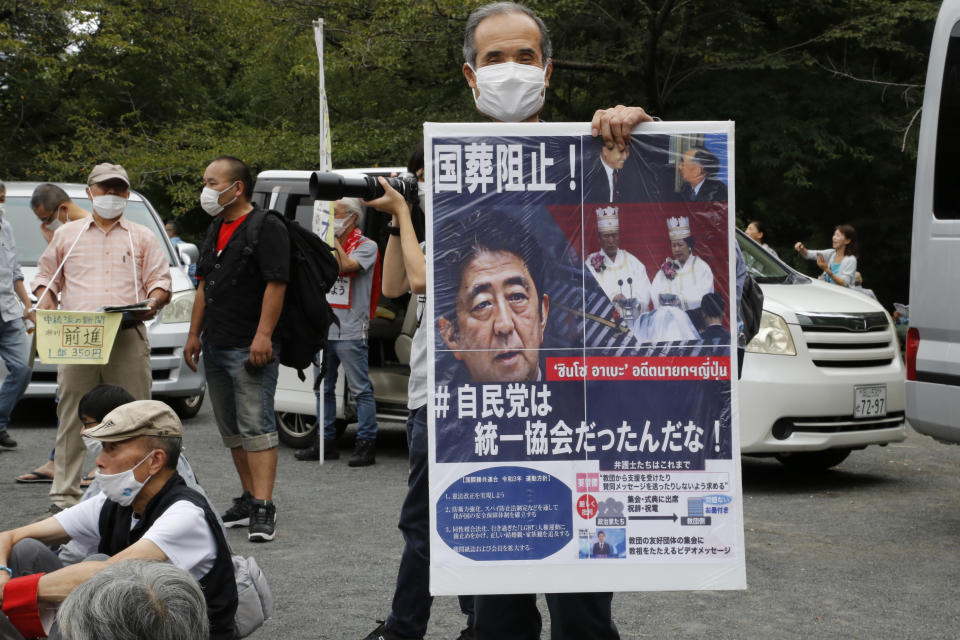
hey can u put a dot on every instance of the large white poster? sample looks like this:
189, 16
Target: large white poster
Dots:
582, 315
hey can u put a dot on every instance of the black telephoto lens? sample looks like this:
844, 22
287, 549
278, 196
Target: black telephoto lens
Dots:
332, 186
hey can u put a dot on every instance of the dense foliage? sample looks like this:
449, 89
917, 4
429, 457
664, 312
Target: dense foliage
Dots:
825, 93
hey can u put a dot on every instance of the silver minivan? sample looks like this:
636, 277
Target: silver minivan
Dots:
173, 381
933, 340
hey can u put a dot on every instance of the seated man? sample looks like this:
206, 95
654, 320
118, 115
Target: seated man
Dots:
93, 408
145, 512
136, 599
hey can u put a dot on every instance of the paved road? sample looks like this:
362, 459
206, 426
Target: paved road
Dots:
867, 551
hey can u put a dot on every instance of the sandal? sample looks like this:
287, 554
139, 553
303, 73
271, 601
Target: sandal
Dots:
35, 477
87, 480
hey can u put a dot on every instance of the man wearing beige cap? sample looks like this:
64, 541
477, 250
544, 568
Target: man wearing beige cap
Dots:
91, 263
146, 511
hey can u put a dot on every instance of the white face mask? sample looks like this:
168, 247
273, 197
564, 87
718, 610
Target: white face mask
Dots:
3, 209
109, 207
509, 91
122, 487
54, 223
339, 224
93, 445
210, 200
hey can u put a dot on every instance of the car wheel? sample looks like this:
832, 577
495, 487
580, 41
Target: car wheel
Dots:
296, 429
186, 406
813, 460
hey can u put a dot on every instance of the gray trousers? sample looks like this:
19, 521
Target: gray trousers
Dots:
32, 556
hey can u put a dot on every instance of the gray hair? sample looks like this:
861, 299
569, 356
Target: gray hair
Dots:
353, 205
49, 196
170, 446
136, 599
496, 9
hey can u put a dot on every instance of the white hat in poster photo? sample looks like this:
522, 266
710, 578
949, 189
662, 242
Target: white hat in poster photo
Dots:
679, 228
608, 219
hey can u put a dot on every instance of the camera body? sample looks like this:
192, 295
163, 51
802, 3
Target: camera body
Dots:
332, 186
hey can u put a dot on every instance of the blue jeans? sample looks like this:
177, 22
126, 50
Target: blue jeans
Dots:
352, 354
242, 400
13, 352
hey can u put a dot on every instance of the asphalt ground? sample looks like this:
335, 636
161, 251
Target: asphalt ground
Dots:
869, 550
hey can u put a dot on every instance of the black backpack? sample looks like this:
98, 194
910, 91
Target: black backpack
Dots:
751, 308
306, 318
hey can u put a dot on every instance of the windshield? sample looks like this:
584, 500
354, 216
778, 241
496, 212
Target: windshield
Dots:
762, 266
31, 243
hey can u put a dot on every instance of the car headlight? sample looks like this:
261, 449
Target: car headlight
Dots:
773, 338
180, 307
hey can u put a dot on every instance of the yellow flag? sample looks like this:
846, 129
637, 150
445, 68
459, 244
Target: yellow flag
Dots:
76, 337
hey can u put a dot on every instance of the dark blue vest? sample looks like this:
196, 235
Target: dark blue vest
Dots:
219, 585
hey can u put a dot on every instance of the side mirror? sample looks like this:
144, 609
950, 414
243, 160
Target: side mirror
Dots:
189, 253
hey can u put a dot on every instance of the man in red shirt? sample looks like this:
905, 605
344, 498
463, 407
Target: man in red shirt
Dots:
237, 307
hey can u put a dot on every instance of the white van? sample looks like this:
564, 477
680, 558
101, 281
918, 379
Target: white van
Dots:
933, 340
295, 403
173, 382
823, 376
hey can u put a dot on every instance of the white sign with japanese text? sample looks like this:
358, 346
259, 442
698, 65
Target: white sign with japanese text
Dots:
582, 331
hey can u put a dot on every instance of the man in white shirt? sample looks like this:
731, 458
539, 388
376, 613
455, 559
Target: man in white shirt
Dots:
146, 512
622, 277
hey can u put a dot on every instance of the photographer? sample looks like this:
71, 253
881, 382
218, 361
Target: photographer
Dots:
405, 269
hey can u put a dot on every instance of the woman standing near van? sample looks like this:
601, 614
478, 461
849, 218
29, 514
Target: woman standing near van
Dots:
839, 264
756, 230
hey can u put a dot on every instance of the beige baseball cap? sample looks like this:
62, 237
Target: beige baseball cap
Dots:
106, 171
137, 418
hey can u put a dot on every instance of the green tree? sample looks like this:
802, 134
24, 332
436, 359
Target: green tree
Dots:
823, 93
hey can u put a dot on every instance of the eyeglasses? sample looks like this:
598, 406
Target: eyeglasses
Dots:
89, 423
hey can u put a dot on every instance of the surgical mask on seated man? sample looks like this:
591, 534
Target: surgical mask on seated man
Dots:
122, 487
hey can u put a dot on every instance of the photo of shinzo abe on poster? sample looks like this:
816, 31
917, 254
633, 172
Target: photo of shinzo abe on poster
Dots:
582, 319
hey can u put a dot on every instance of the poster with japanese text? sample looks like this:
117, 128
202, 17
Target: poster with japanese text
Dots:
76, 337
582, 324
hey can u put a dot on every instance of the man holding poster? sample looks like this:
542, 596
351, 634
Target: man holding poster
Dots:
102, 260
542, 407
507, 54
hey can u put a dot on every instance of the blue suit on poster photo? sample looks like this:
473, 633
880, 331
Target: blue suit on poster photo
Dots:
601, 549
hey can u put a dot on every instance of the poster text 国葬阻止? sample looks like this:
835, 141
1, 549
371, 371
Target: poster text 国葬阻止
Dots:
582, 316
